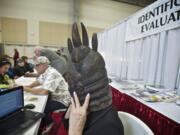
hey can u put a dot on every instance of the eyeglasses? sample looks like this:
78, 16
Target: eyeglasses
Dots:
37, 65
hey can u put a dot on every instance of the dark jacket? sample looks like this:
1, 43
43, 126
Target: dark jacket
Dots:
103, 122
28, 68
19, 71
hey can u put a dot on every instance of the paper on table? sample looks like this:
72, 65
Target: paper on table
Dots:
159, 90
25, 80
156, 97
30, 98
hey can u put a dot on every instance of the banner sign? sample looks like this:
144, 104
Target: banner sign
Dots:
160, 16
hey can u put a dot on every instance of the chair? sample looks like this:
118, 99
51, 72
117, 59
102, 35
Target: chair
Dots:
133, 125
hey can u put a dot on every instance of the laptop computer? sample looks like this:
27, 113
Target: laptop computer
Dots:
14, 120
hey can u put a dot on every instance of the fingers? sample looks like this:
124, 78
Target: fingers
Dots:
77, 104
86, 102
68, 112
72, 103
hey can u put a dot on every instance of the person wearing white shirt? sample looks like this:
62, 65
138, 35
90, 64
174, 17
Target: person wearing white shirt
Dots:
50, 83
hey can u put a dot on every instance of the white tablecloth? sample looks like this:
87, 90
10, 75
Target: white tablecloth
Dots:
40, 103
170, 110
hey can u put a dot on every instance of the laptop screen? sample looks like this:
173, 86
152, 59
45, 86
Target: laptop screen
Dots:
11, 102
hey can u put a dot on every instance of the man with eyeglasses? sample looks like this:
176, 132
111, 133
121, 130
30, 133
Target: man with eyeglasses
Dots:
51, 82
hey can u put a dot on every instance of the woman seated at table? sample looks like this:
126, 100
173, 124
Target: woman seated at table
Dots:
5, 81
50, 82
10, 72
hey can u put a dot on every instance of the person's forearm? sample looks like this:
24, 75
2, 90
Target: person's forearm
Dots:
34, 84
31, 75
37, 91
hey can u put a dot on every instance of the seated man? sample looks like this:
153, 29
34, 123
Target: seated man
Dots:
19, 69
28, 67
5, 81
50, 82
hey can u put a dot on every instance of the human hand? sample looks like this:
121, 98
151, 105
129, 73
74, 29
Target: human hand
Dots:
25, 88
68, 112
78, 115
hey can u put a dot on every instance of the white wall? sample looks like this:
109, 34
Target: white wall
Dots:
94, 13
33, 31
35, 10
0, 37
45, 10
104, 13
0, 30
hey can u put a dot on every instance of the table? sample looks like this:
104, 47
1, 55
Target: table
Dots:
40, 103
162, 118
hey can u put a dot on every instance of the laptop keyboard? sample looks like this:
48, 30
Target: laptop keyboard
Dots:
26, 124
19, 122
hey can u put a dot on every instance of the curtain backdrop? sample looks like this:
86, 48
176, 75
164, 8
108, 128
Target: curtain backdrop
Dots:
154, 59
113, 48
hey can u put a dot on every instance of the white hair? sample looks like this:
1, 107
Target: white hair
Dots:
37, 50
42, 60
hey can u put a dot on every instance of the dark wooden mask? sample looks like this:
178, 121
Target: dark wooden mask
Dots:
86, 70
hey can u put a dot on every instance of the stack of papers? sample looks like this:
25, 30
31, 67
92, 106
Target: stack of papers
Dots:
127, 85
158, 96
25, 80
155, 90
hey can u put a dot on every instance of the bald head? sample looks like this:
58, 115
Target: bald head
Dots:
37, 51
